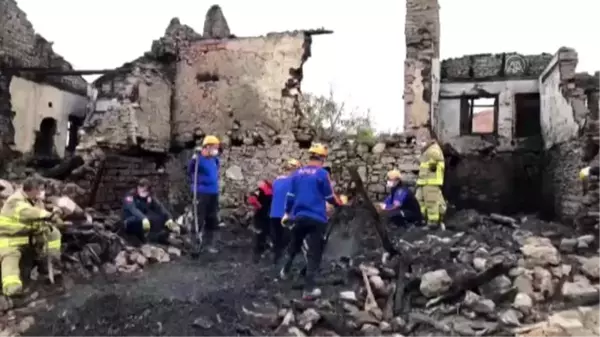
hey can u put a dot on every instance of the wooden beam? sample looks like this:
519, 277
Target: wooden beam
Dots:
60, 72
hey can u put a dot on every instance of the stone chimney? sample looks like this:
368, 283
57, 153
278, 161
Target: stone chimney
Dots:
215, 24
421, 66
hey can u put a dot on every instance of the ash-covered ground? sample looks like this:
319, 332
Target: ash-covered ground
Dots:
533, 269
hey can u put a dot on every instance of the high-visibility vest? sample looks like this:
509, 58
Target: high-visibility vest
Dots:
16, 219
432, 154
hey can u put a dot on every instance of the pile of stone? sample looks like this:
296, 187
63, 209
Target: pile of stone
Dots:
495, 275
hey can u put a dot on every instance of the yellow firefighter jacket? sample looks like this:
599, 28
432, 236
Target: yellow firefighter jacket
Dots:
432, 157
17, 220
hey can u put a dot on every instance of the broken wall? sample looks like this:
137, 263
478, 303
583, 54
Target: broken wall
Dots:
421, 65
499, 169
20, 46
33, 102
238, 83
564, 115
133, 108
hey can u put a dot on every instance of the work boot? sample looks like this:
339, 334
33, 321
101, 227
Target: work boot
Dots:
13, 290
311, 295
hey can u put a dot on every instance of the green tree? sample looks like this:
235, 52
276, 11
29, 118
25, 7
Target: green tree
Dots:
331, 119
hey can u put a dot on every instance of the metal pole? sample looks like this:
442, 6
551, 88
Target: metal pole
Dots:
198, 238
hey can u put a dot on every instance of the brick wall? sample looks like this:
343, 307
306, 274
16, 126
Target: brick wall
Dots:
120, 173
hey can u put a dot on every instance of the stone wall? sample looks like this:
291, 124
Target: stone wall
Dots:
421, 65
20, 46
565, 112
243, 166
242, 83
133, 109
494, 67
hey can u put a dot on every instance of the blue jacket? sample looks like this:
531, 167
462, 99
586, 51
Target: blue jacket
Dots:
310, 189
208, 174
402, 198
281, 187
138, 207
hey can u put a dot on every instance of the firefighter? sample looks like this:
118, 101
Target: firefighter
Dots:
429, 184
281, 186
203, 171
401, 205
144, 214
310, 188
260, 199
22, 217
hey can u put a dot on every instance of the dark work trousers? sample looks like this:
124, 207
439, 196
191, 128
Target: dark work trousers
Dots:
313, 231
404, 218
158, 232
279, 237
207, 211
263, 227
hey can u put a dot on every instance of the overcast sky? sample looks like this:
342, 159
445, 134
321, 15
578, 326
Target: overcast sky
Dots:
362, 61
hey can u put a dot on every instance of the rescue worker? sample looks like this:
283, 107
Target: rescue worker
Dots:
309, 190
401, 205
584, 176
430, 182
281, 187
21, 218
144, 215
260, 199
203, 171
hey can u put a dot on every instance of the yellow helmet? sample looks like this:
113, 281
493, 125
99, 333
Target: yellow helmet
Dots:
210, 140
584, 173
318, 149
394, 174
292, 163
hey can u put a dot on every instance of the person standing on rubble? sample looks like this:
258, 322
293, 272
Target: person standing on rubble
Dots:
22, 216
203, 171
401, 205
144, 214
260, 199
310, 189
281, 187
430, 182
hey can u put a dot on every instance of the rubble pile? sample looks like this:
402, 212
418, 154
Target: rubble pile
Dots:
485, 275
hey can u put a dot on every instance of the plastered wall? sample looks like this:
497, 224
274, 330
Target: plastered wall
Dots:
32, 102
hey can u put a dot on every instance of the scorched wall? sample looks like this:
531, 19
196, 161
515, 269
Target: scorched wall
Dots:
20, 46
249, 80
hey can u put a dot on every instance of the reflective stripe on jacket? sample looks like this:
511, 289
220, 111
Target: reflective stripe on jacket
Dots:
18, 215
431, 155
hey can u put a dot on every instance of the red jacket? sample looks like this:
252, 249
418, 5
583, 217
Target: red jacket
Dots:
260, 199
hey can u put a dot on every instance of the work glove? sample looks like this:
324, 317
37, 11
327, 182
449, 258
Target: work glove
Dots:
56, 217
285, 221
344, 199
146, 225
584, 174
172, 226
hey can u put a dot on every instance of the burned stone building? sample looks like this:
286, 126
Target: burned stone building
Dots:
513, 125
36, 106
